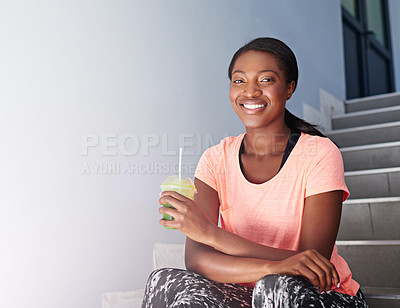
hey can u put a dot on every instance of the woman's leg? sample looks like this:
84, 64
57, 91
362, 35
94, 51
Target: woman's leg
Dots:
179, 288
296, 291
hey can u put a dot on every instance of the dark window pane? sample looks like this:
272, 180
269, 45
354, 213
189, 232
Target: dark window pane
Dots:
375, 20
352, 62
378, 73
351, 7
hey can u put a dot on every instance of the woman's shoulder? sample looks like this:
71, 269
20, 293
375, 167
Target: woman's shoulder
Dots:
318, 147
318, 141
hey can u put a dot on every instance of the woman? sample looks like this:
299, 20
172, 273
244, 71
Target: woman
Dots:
278, 189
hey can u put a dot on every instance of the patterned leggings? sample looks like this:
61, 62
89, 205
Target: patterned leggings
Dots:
179, 288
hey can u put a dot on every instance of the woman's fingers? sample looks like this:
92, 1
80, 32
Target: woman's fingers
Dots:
310, 275
335, 274
324, 271
168, 223
175, 199
189, 218
332, 277
313, 266
329, 274
176, 222
173, 194
167, 199
322, 268
170, 211
311, 261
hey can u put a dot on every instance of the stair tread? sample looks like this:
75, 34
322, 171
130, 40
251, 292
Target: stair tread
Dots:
371, 98
381, 292
370, 146
362, 128
372, 171
367, 242
372, 102
372, 200
365, 112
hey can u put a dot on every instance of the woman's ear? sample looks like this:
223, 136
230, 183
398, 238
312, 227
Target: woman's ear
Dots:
290, 89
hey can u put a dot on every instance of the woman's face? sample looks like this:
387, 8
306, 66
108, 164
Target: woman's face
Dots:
258, 90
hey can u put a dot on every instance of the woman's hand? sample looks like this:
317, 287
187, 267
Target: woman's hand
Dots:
312, 265
189, 218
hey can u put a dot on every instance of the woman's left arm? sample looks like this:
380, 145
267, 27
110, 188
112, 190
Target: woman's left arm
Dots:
321, 221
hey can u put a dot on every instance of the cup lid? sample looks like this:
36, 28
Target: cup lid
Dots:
176, 181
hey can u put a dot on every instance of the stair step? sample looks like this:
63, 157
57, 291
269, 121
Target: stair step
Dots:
370, 219
372, 102
373, 263
373, 183
363, 135
366, 117
382, 297
371, 156
382, 303
384, 293
368, 136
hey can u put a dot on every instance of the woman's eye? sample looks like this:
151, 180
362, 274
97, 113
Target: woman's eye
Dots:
238, 81
266, 79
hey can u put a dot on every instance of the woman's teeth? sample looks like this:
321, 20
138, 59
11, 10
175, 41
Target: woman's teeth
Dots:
253, 106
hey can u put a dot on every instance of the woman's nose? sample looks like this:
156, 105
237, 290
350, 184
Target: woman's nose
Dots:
252, 90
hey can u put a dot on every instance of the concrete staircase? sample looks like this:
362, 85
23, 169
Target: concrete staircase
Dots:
368, 135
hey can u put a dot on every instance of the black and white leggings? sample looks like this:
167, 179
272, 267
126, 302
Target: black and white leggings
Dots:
179, 288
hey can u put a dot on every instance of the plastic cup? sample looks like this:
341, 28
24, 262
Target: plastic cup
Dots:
184, 186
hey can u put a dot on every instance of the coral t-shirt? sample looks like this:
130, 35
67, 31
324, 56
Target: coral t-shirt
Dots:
271, 213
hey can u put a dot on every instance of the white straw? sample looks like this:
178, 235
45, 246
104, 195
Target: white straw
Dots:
180, 162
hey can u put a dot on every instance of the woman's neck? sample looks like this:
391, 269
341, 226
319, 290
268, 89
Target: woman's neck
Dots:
266, 141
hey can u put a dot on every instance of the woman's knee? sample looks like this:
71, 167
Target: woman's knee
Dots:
271, 281
275, 290
161, 287
162, 272
282, 281
163, 275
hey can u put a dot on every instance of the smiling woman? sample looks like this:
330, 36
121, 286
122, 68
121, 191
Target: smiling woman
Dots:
278, 189
259, 96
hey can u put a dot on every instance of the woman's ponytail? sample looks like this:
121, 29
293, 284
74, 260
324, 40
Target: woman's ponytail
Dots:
298, 124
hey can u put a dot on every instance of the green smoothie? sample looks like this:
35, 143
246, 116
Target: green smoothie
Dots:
184, 186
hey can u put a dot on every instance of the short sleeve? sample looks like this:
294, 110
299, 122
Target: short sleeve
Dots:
205, 171
326, 171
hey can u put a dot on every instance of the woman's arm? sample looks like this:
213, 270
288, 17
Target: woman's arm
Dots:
321, 219
198, 220
218, 266
236, 260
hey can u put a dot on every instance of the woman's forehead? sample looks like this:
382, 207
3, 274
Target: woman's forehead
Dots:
255, 60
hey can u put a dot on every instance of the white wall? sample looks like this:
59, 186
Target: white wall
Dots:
73, 69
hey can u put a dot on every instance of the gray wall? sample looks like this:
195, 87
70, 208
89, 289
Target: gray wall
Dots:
122, 84
394, 11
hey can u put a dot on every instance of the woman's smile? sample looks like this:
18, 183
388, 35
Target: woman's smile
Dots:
253, 107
